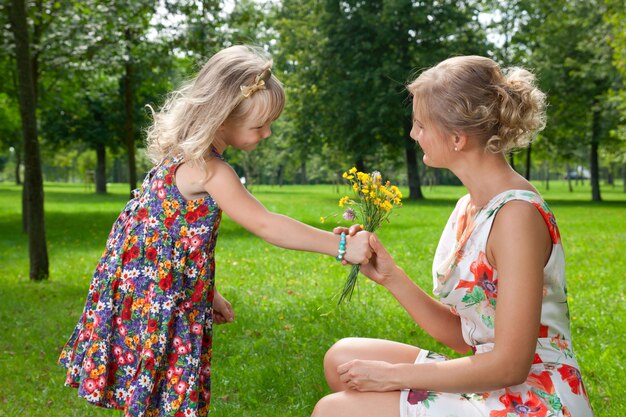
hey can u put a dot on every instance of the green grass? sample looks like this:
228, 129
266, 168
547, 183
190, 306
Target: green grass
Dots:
269, 362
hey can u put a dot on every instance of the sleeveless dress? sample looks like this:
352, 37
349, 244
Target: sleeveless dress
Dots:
143, 342
465, 281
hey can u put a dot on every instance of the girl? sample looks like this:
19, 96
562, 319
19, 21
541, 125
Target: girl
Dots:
143, 343
500, 255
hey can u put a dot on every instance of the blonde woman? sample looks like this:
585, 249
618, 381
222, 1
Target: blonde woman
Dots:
498, 272
143, 343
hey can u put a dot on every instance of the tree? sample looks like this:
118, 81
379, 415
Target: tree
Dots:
570, 49
37, 248
365, 60
616, 18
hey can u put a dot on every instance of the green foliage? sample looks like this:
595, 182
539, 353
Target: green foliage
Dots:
269, 362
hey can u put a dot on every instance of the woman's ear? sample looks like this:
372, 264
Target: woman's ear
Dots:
460, 141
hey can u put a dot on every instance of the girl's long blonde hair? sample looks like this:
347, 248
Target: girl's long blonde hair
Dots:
471, 94
188, 121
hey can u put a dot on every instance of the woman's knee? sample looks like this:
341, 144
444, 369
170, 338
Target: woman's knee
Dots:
342, 351
325, 406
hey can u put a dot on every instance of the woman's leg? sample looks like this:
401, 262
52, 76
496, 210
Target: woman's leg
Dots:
359, 404
368, 349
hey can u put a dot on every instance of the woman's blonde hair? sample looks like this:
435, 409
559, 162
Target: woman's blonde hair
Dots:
471, 94
188, 121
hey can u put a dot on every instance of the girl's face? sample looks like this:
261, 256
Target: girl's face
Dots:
437, 147
245, 135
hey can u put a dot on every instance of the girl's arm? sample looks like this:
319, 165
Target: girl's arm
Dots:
519, 247
225, 188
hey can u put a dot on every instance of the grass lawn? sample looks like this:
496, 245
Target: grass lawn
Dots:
269, 362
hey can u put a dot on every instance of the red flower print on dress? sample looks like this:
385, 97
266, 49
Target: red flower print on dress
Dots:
142, 213
90, 385
202, 211
193, 396
166, 282
134, 251
101, 382
181, 387
483, 277
151, 253
89, 365
555, 235
191, 217
196, 328
572, 376
152, 325
417, 395
516, 406
542, 381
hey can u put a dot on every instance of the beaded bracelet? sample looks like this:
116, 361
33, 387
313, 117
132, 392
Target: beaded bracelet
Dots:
342, 247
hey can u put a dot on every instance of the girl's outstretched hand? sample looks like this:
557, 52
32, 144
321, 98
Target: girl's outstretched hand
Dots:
381, 265
222, 309
358, 248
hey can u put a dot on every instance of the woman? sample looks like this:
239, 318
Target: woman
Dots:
500, 254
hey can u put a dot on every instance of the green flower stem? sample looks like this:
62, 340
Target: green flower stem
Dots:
348, 287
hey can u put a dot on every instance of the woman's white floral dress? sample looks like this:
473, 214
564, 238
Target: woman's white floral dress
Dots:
464, 280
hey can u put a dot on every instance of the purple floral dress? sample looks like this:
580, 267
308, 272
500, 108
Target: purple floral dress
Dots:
143, 342
466, 282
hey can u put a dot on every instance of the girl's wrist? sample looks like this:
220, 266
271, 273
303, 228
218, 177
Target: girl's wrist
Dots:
341, 249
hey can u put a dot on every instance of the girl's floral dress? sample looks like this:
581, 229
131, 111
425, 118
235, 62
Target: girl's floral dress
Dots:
143, 342
464, 280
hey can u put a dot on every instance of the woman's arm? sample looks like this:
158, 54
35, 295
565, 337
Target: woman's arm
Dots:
430, 314
519, 246
225, 188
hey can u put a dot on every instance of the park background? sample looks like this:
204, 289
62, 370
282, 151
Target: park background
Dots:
76, 79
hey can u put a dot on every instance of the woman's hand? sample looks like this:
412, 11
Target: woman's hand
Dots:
363, 375
222, 309
381, 266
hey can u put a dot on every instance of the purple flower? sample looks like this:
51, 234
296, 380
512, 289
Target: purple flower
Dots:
349, 214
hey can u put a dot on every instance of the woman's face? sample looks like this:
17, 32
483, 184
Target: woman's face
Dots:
436, 145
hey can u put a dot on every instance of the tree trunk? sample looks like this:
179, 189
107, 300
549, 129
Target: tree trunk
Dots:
101, 166
279, 175
303, 175
33, 181
624, 177
529, 152
569, 178
360, 165
413, 175
593, 155
18, 165
128, 108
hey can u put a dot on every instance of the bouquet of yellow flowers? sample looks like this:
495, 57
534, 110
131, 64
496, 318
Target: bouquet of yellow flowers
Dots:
372, 206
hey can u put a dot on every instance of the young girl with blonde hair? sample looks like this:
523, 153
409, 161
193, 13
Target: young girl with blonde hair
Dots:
498, 272
143, 343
